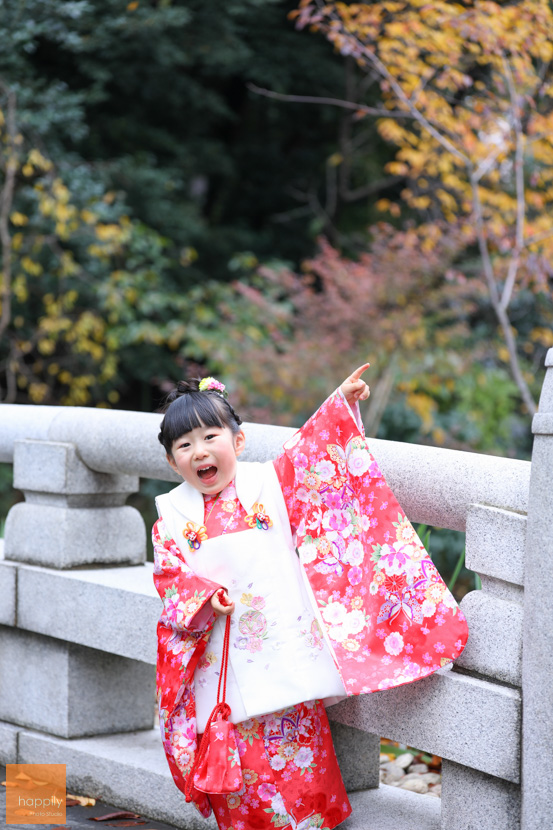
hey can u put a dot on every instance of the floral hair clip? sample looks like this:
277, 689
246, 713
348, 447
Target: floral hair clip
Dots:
206, 384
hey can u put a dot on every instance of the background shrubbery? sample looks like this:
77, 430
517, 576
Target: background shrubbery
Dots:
175, 200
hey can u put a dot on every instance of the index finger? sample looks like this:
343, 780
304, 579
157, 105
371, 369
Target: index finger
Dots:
358, 372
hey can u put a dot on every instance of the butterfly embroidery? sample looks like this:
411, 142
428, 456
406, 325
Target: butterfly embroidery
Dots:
330, 563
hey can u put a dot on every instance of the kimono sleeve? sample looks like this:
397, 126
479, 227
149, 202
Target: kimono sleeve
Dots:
186, 596
388, 616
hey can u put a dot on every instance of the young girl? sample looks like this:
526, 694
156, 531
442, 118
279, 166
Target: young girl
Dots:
362, 609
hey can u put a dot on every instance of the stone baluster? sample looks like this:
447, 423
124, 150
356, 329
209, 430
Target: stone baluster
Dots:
537, 655
71, 515
72, 518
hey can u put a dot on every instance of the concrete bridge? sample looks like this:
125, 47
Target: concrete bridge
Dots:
78, 614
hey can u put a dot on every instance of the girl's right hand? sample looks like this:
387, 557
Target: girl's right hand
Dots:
221, 603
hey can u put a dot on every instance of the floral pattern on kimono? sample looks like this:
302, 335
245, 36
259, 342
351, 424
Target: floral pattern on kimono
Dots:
290, 773
301, 785
388, 614
182, 634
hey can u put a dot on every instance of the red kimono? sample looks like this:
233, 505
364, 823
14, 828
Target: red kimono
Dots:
388, 616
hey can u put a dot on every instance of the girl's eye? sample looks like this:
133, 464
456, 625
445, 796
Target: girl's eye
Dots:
210, 436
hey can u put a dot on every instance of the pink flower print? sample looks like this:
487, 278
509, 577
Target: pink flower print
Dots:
359, 462
302, 494
301, 460
325, 469
409, 648
439, 647
355, 575
392, 561
324, 434
266, 791
412, 670
337, 520
427, 657
315, 497
380, 633
255, 643
334, 613
458, 644
258, 603
303, 757
332, 499
394, 643
277, 762
219, 736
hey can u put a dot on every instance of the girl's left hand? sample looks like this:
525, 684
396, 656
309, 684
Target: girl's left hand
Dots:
354, 388
222, 603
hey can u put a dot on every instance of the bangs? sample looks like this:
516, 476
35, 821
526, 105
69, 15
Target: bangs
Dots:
188, 412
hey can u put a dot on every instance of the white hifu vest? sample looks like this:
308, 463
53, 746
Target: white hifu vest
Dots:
279, 654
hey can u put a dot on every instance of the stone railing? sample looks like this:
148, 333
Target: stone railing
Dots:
78, 613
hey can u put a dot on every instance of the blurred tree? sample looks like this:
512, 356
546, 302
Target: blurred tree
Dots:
469, 93
142, 111
284, 339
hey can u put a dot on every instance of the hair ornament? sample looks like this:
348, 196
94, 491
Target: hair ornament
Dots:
207, 384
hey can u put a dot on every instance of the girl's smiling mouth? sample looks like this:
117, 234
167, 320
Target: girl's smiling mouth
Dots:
207, 473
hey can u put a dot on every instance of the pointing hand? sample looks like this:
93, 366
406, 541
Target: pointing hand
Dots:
354, 388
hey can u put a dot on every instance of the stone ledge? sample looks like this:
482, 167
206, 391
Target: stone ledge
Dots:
55, 467
432, 484
66, 537
9, 735
110, 609
468, 720
494, 647
70, 690
496, 542
127, 769
131, 770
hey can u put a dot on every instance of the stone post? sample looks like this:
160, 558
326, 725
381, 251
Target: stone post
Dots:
72, 517
537, 655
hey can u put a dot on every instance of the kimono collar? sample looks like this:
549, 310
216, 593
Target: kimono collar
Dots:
248, 481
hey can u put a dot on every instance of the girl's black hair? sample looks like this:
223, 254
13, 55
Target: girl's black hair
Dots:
186, 408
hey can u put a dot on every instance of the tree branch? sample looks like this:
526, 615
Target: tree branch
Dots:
519, 183
335, 102
6, 200
500, 312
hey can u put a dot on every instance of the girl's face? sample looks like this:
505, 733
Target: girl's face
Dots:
206, 457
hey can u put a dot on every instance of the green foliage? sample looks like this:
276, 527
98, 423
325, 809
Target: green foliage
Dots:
8, 496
